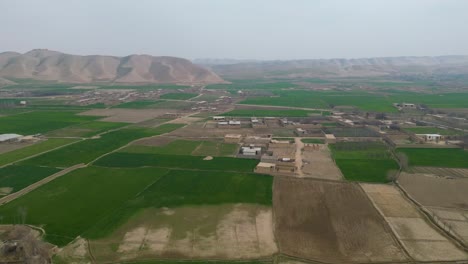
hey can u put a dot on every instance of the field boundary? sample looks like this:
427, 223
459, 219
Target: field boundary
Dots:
38, 184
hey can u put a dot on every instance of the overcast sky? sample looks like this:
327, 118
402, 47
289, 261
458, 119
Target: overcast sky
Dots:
242, 29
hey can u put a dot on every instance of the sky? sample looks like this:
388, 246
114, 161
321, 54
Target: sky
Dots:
238, 29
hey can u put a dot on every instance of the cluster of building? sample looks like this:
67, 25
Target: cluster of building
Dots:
8, 138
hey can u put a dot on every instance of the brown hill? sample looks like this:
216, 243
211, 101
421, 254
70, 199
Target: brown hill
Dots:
49, 65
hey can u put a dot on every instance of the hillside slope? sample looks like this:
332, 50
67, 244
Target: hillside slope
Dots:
346, 67
55, 66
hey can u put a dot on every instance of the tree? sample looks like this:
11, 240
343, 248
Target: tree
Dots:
403, 160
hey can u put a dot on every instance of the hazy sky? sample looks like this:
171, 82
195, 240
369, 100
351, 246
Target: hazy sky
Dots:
244, 29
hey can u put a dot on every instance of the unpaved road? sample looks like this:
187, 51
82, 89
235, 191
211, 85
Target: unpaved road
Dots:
299, 147
38, 184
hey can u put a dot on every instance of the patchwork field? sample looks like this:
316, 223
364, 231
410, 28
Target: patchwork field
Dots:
364, 161
230, 231
178, 96
40, 121
35, 149
420, 239
436, 157
90, 149
138, 104
319, 164
330, 222
126, 115
186, 147
14, 178
85, 129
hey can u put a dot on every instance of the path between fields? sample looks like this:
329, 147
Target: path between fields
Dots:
299, 147
38, 184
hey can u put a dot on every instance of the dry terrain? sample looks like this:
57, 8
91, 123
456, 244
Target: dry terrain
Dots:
232, 231
6, 147
319, 164
447, 172
421, 239
330, 222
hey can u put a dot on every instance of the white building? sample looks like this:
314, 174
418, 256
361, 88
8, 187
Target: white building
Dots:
251, 151
219, 118
430, 137
9, 137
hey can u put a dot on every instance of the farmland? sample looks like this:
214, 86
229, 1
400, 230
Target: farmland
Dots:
85, 129
35, 149
364, 161
40, 121
14, 178
436, 157
178, 96
90, 149
271, 113
121, 159
432, 130
138, 104
330, 222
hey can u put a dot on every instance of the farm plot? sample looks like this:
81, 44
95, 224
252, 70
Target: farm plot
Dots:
364, 161
453, 220
71, 204
432, 130
330, 222
230, 231
444, 172
420, 239
319, 164
37, 148
90, 149
138, 104
177, 147
271, 113
126, 115
14, 178
351, 132
85, 129
121, 159
436, 157
218, 149
40, 122
178, 96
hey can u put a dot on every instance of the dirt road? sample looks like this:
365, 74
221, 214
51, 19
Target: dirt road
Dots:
299, 147
38, 184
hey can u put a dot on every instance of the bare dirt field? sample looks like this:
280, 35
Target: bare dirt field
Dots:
127, 115
447, 172
230, 231
453, 220
431, 190
330, 222
420, 238
319, 164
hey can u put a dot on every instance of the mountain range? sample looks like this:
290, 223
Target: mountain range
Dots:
47, 65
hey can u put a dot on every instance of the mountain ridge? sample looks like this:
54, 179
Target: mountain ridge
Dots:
48, 65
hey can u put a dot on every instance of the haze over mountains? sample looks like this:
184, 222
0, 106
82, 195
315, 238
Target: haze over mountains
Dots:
41, 64
364, 67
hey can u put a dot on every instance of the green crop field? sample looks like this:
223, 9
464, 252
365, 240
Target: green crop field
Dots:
178, 96
351, 132
432, 130
273, 113
436, 157
121, 159
85, 129
443, 100
186, 147
138, 104
37, 148
90, 149
71, 204
313, 140
19, 177
40, 121
364, 161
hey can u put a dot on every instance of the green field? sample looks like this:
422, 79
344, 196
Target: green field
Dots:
90, 149
432, 130
93, 201
178, 96
85, 129
138, 104
351, 132
120, 159
436, 157
273, 113
37, 148
364, 161
19, 177
40, 121
186, 147
313, 141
